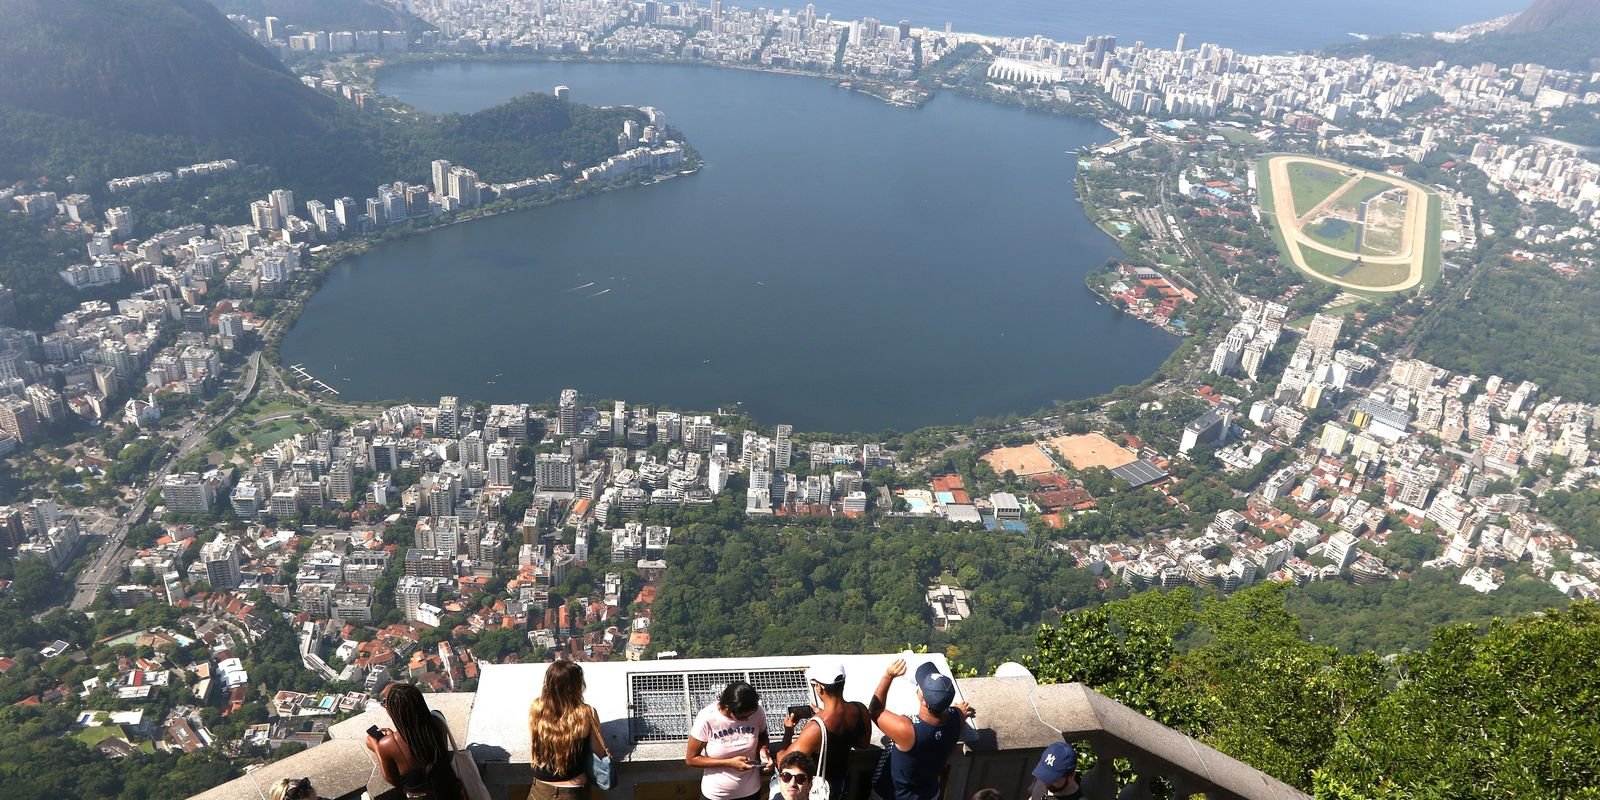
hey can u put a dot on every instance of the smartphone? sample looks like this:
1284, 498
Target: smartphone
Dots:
801, 712
374, 732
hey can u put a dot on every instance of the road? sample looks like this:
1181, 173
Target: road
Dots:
114, 551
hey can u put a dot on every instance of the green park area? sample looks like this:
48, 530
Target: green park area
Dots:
1312, 184
266, 421
94, 735
1351, 200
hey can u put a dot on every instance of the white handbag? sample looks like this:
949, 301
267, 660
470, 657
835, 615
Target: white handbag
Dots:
819, 784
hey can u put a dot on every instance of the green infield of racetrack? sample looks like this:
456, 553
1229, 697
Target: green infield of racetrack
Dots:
1325, 264
1312, 185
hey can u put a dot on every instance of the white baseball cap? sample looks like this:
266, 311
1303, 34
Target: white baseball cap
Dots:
826, 673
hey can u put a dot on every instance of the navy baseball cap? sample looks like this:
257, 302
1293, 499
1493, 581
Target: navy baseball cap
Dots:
1058, 760
938, 691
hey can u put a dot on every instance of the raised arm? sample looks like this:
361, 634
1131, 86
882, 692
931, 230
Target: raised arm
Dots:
809, 740
895, 726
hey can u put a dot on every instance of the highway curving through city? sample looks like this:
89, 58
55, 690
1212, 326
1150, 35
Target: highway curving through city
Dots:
114, 552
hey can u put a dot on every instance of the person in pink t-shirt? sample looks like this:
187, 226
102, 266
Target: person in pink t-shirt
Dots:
729, 741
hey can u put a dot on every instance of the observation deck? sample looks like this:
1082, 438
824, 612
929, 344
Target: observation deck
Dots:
645, 709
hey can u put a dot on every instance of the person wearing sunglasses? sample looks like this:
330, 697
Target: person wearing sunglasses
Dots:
729, 742
795, 773
845, 725
294, 789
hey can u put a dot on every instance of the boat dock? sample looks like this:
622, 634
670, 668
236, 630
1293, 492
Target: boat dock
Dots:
300, 372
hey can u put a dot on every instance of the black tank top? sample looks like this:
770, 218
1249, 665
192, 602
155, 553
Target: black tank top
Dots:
837, 770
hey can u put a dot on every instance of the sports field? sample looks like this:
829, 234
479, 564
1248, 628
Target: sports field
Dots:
1092, 450
1368, 232
1026, 459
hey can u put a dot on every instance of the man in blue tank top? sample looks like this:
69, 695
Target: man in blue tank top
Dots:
920, 744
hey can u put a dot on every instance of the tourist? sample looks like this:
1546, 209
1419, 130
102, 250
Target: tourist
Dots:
1056, 775
847, 725
294, 789
565, 732
415, 754
920, 744
795, 773
729, 741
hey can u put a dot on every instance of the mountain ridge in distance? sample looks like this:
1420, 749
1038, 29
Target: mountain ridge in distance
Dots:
103, 88
1564, 34
1547, 14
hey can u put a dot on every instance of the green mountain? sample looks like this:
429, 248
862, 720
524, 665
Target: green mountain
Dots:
98, 89
1557, 33
148, 66
101, 88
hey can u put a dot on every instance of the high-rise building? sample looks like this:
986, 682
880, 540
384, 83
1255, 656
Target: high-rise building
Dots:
282, 202
555, 472
567, 415
463, 187
1255, 354
1183, 39
18, 418
41, 515
221, 559
447, 421
274, 27
230, 325
264, 216
783, 448
188, 493
669, 427
346, 212
12, 530
341, 483
500, 460
698, 433
442, 176
1323, 334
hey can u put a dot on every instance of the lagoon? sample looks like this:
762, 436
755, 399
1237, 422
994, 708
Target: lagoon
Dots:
838, 264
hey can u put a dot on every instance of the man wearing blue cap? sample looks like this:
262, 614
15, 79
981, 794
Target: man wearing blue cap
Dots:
1056, 776
922, 744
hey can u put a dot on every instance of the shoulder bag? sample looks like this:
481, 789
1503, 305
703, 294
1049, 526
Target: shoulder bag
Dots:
599, 765
819, 783
465, 768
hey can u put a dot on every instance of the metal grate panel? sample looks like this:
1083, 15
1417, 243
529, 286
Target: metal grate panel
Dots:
662, 705
779, 689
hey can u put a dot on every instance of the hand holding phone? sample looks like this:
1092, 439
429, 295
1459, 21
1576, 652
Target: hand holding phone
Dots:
374, 733
801, 712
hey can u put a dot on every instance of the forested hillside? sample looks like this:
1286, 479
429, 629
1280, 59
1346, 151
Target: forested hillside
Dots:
150, 67
843, 587
1502, 713
1525, 322
99, 89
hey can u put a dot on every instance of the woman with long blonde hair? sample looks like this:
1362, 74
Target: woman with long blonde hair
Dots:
565, 732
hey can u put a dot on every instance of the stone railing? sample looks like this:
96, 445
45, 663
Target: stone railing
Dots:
1017, 718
